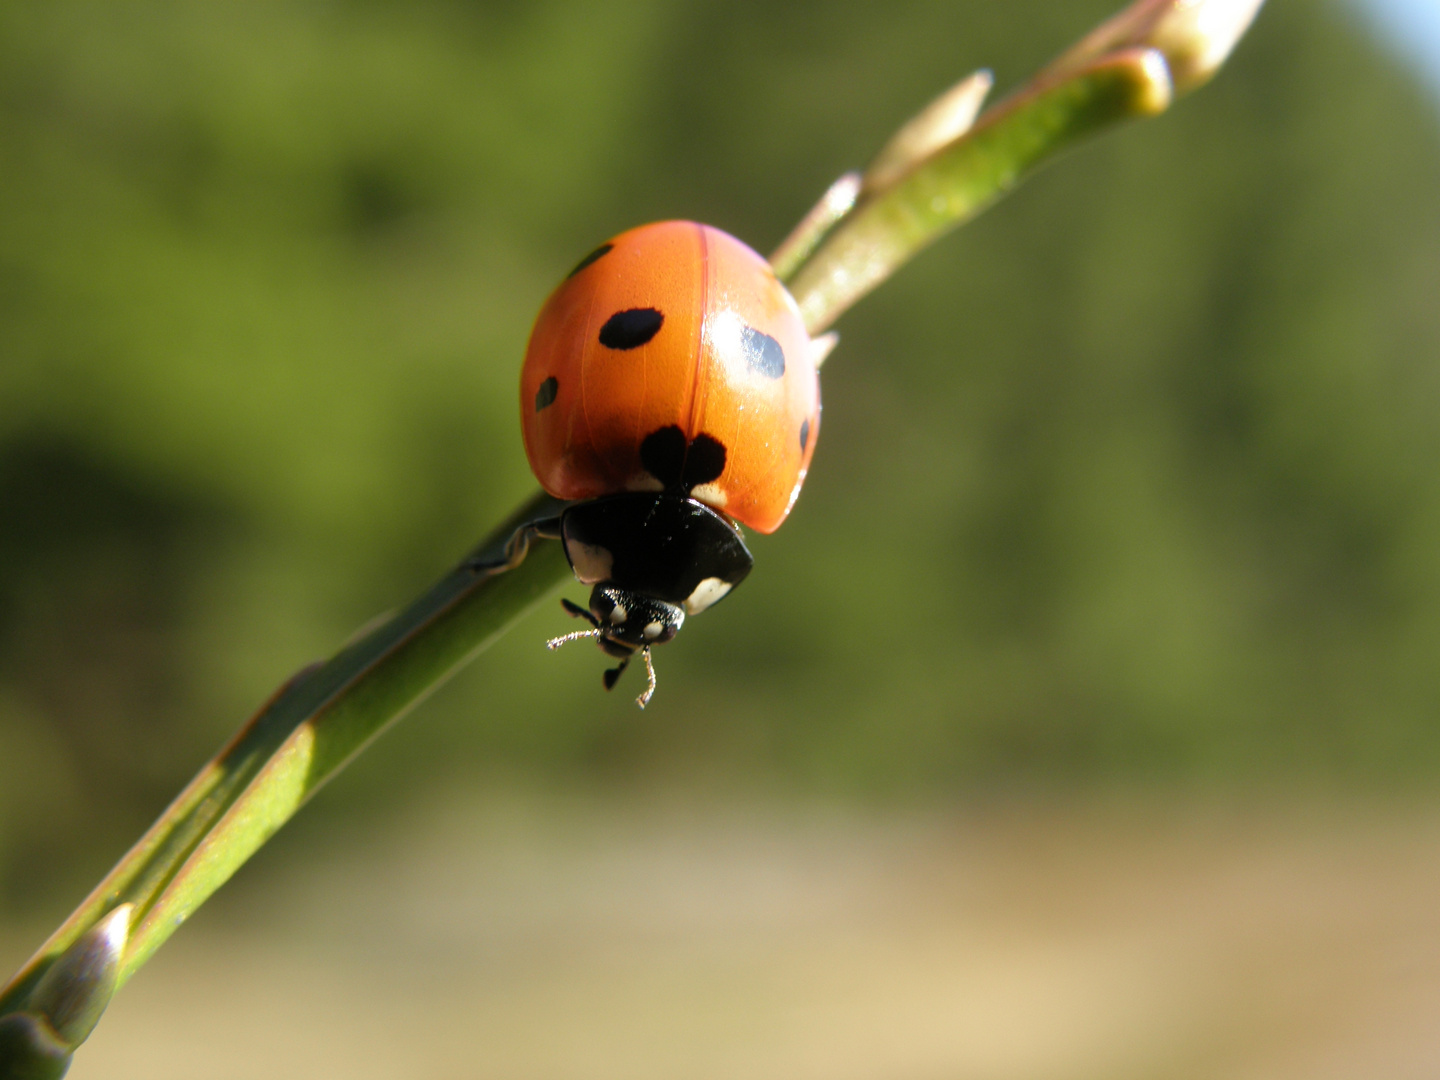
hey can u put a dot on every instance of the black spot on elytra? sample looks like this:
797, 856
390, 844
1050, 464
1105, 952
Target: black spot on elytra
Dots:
546, 394
667, 457
663, 455
704, 463
804, 435
630, 329
594, 256
763, 353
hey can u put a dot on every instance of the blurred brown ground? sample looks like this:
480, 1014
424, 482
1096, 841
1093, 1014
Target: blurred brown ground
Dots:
576, 937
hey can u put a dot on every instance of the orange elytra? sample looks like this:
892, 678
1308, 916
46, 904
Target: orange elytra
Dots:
672, 359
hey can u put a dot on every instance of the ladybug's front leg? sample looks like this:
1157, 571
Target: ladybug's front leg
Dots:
579, 612
516, 548
612, 675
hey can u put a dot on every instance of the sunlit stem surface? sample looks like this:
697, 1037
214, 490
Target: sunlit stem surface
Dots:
959, 179
313, 725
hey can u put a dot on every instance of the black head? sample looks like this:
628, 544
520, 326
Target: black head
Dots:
624, 623
628, 621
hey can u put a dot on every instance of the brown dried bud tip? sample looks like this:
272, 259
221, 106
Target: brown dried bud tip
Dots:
1195, 36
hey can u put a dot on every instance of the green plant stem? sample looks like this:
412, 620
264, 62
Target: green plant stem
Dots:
306, 733
958, 181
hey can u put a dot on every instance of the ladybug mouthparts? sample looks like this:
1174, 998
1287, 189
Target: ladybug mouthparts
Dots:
622, 624
628, 621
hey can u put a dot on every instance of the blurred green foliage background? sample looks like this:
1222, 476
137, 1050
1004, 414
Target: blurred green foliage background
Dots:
1135, 479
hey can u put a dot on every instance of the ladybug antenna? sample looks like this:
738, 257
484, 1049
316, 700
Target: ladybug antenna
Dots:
644, 699
579, 613
556, 642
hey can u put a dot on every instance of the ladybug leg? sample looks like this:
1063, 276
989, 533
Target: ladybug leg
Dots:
612, 675
515, 550
579, 612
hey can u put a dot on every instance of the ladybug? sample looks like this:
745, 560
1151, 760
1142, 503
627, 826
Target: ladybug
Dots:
671, 393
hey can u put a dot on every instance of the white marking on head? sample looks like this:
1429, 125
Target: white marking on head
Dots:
710, 495
618, 614
705, 594
590, 562
652, 631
